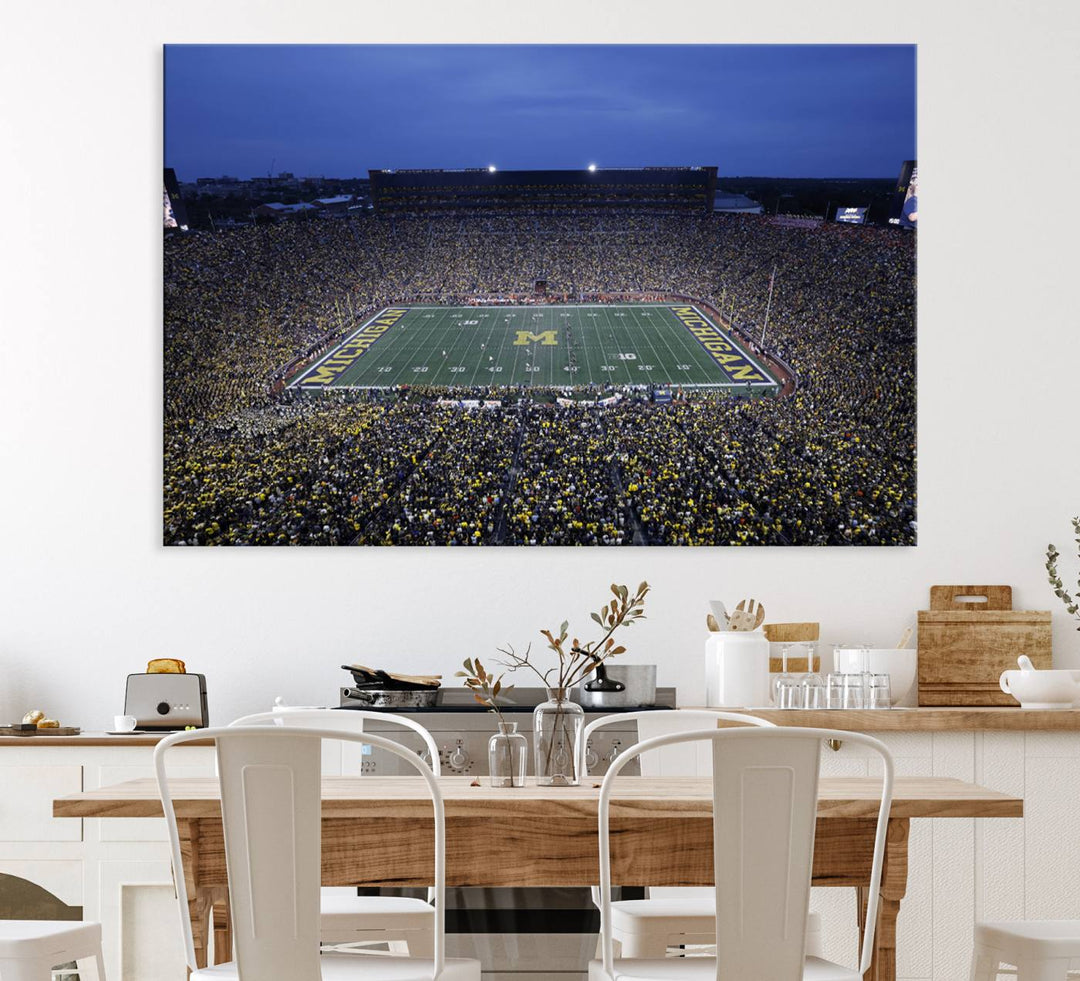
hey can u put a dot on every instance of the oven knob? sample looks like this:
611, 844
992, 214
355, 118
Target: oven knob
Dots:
614, 752
458, 758
162, 708
591, 758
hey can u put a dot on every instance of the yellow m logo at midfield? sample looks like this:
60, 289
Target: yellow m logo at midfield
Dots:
550, 338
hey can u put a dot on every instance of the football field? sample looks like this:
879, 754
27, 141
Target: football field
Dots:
539, 346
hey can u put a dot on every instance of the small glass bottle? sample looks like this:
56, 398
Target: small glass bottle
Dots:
508, 755
557, 725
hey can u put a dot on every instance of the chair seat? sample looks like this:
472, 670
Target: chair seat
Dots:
697, 915
704, 969
377, 912
41, 939
349, 967
1031, 939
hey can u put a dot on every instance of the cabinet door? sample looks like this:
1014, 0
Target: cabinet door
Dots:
26, 804
139, 918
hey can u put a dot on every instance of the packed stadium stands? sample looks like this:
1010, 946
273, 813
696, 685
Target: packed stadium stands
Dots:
834, 463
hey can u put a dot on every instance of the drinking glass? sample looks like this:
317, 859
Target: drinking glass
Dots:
834, 690
813, 691
785, 676
879, 694
853, 691
788, 692
806, 649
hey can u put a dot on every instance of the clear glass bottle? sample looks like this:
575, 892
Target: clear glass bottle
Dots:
508, 756
557, 725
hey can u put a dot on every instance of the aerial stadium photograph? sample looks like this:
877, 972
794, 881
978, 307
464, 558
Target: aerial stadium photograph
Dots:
540, 295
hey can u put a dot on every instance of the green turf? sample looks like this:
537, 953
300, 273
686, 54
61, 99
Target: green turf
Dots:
631, 344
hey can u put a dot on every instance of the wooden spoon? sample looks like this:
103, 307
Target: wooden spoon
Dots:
747, 617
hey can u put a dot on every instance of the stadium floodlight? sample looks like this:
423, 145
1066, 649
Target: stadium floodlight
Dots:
491, 168
592, 168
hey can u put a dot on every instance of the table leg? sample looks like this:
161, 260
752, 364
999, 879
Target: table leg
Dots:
893, 889
199, 913
222, 921
208, 905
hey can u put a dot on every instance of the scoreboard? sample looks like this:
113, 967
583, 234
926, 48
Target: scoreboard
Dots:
851, 216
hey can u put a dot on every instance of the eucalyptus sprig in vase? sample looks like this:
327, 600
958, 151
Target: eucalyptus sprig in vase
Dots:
508, 750
1071, 601
558, 722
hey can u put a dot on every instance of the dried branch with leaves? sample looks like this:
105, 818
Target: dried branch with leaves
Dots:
486, 688
1072, 603
576, 660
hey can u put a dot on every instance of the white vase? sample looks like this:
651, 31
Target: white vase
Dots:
737, 669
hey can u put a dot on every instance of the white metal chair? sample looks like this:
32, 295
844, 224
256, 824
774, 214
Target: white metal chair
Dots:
765, 789
675, 916
346, 917
30, 949
1041, 950
271, 810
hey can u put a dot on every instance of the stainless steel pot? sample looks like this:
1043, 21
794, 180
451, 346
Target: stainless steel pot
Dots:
619, 686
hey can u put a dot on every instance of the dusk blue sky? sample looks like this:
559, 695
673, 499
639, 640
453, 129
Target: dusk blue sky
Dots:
336, 111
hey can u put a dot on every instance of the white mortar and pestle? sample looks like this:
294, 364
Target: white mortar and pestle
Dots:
1035, 689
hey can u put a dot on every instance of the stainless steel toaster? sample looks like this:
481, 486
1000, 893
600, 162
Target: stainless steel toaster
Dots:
167, 701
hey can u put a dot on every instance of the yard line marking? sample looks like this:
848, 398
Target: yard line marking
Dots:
608, 324
497, 363
603, 352
658, 361
663, 332
470, 337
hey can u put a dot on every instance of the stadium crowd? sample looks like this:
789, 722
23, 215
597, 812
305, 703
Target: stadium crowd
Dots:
834, 463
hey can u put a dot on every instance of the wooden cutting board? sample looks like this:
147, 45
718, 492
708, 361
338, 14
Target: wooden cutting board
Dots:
968, 637
55, 731
792, 633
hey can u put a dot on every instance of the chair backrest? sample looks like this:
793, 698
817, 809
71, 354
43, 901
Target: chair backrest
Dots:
271, 808
676, 761
347, 720
765, 790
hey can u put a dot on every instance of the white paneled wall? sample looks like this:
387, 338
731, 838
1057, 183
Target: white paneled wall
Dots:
963, 869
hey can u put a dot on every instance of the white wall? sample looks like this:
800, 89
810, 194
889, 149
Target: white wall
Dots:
87, 593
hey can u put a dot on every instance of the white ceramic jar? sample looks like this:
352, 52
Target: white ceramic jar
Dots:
737, 669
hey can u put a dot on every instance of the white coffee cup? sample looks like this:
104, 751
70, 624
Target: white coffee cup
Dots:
124, 723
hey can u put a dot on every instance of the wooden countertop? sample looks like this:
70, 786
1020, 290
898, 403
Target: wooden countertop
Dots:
922, 719
996, 719
91, 739
655, 797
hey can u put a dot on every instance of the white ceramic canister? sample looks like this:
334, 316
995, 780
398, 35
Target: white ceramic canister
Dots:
737, 669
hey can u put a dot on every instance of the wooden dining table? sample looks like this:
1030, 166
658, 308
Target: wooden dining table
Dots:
377, 832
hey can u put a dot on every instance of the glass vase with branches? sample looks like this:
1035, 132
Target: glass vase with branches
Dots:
558, 722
